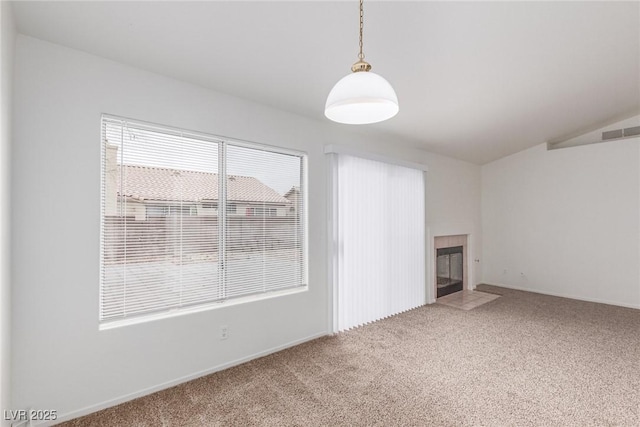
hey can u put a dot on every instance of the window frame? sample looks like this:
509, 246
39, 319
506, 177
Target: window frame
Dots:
223, 210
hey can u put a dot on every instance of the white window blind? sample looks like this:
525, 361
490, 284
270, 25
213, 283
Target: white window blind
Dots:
264, 236
378, 240
189, 219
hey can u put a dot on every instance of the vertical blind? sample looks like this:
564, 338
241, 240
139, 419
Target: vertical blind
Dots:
379, 240
190, 219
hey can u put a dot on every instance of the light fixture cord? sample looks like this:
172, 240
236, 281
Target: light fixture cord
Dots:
361, 65
361, 54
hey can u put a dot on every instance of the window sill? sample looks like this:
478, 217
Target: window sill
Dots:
113, 324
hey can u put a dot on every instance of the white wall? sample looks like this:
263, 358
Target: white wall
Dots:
61, 360
565, 222
7, 40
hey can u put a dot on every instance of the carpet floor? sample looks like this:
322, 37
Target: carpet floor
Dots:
521, 360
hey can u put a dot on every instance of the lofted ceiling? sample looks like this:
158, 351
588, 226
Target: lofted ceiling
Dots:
476, 81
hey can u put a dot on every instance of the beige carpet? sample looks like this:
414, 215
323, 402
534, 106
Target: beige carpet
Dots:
520, 360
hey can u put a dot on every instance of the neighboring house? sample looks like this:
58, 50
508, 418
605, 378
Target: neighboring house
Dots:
293, 195
155, 192
157, 212
151, 191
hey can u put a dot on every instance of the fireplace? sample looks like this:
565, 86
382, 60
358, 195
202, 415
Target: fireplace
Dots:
449, 270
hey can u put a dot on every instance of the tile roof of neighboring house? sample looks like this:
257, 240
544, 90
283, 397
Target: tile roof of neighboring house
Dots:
150, 183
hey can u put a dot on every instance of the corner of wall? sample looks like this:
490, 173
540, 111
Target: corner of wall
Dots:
7, 42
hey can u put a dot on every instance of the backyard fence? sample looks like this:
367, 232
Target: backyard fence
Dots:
193, 238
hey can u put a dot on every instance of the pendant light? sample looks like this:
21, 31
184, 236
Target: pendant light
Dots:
362, 97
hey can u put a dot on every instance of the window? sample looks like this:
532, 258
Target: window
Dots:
160, 253
261, 211
167, 210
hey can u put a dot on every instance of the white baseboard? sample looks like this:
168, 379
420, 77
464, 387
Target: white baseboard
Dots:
149, 390
561, 295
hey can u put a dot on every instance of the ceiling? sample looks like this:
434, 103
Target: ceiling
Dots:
476, 81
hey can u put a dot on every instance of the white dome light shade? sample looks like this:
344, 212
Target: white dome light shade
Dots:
361, 98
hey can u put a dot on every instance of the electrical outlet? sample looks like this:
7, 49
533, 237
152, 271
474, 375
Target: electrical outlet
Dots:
224, 332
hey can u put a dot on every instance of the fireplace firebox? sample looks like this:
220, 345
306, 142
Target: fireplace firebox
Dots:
449, 270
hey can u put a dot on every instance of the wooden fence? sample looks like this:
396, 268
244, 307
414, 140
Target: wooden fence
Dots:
193, 238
